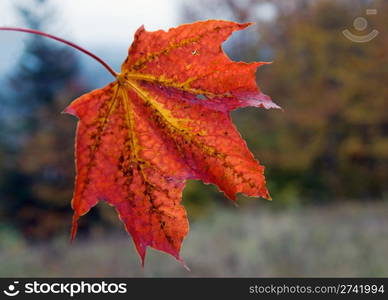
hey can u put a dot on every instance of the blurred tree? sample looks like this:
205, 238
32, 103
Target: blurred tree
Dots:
37, 169
331, 142
45, 67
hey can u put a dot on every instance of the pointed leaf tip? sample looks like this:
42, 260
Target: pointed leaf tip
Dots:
74, 227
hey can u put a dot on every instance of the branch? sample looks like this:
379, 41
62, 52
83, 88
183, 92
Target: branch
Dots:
32, 31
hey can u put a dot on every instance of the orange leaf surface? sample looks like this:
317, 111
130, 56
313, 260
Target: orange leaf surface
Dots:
164, 120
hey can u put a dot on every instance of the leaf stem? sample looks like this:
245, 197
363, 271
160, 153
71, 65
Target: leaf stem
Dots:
37, 32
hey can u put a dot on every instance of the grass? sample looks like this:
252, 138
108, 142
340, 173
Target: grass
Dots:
338, 240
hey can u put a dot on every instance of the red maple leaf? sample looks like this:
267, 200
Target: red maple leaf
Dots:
166, 119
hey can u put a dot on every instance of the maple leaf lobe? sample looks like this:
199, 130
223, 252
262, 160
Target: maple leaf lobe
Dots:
166, 119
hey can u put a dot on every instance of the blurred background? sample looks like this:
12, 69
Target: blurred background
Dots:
326, 154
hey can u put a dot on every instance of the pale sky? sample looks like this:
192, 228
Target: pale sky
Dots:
92, 20
117, 19
95, 25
